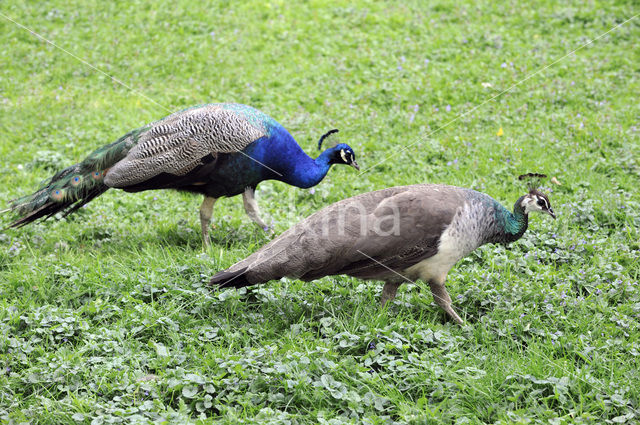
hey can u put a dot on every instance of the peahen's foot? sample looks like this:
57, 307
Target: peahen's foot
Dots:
267, 229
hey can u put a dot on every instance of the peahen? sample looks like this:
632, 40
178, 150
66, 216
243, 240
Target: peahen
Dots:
394, 235
215, 150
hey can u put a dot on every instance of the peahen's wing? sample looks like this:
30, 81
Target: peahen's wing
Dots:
366, 236
176, 144
400, 231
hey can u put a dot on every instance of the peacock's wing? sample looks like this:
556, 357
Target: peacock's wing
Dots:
177, 144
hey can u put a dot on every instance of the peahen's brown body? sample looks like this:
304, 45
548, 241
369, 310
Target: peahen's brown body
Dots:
394, 235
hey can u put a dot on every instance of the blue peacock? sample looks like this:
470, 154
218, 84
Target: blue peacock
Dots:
215, 150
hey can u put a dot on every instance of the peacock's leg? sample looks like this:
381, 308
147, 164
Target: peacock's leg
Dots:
251, 207
442, 298
389, 292
206, 210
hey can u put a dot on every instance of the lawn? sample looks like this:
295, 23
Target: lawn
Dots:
105, 316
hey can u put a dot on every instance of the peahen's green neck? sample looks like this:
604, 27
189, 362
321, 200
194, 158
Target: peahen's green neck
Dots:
516, 223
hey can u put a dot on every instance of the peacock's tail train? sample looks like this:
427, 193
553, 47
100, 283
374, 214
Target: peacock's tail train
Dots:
74, 186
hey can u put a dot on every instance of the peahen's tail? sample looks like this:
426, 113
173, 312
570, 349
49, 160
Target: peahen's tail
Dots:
74, 186
226, 279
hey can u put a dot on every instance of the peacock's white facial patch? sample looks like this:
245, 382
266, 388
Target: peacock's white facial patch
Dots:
343, 155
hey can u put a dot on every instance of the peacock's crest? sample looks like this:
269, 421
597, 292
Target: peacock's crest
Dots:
330, 136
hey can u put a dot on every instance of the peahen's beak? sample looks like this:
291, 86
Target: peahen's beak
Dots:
551, 213
355, 165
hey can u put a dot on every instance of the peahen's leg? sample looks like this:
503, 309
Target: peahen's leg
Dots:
206, 210
389, 292
442, 298
251, 207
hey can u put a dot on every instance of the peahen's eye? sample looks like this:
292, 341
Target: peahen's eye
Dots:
541, 202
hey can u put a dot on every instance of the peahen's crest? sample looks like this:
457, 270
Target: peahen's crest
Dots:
533, 180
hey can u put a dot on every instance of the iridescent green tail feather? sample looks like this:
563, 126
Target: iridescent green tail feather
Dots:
74, 186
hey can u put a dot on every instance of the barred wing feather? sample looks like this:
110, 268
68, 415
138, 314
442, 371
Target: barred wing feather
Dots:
177, 144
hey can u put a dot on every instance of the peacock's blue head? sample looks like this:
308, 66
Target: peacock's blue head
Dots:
343, 154
340, 153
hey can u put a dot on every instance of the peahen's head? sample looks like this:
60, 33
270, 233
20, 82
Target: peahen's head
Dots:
340, 153
536, 201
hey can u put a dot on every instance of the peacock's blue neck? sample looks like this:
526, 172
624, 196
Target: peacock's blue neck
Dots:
312, 172
281, 158
516, 223
307, 172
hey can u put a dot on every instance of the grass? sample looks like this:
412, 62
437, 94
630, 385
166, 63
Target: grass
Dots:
105, 316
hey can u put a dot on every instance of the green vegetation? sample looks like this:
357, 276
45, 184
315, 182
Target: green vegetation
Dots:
105, 316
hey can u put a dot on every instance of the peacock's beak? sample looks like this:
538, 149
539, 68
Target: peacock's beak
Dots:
355, 165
